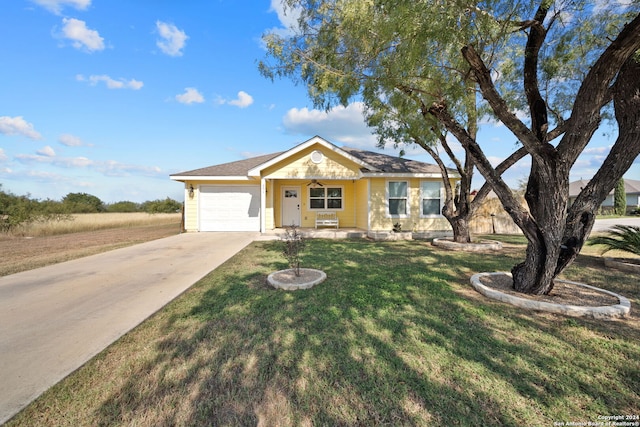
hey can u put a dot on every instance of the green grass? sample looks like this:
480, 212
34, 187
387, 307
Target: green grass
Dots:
395, 336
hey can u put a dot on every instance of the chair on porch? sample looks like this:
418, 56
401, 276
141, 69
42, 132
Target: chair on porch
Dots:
328, 219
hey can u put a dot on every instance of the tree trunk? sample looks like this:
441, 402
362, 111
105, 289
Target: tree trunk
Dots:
565, 230
456, 208
460, 227
547, 196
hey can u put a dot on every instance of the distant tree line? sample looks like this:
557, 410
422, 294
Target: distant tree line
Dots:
17, 210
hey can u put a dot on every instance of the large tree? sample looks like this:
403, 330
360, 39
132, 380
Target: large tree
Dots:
559, 64
391, 103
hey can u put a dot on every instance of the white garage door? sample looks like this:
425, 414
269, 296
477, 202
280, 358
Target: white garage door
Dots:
229, 208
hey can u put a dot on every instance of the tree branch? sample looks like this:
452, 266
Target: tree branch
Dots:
595, 89
537, 105
500, 169
443, 170
499, 105
519, 215
626, 148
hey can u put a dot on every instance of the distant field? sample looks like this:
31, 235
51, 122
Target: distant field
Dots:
88, 234
94, 222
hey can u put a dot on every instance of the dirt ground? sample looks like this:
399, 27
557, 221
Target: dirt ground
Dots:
23, 253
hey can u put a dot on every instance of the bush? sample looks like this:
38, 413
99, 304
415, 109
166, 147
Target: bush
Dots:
124, 206
293, 244
83, 203
20, 211
621, 237
620, 198
167, 205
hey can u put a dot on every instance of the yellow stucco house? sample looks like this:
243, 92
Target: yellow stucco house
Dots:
316, 184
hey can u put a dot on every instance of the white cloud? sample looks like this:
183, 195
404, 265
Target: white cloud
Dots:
288, 17
111, 83
105, 167
489, 119
243, 100
603, 151
64, 162
18, 126
47, 151
172, 39
81, 36
340, 124
190, 96
3, 156
56, 6
71, 140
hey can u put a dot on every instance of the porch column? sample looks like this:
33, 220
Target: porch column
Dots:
263, 205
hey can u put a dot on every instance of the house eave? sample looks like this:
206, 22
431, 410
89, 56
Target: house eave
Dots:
406, 175
183, 178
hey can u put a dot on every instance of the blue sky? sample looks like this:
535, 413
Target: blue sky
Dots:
110, 97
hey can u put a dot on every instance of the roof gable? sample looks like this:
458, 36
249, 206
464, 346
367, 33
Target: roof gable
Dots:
316, 140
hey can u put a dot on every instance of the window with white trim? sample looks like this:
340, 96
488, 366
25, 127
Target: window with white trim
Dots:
430, 198
398, 198
325, 198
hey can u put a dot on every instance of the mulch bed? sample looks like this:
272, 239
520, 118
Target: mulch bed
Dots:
562, 293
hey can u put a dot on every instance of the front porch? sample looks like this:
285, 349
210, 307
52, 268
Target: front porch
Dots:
358, 233
300, 201
322, 233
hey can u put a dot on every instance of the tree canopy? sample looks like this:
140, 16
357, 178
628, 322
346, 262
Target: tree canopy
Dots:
83, 203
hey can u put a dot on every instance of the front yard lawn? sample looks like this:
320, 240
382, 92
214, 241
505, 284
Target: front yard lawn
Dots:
395, 336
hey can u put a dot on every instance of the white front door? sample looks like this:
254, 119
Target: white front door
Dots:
290, 206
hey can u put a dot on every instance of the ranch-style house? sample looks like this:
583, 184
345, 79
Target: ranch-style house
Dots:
313, 185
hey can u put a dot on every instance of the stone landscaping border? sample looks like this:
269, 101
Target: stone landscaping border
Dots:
603, 312
272, 279
482, 245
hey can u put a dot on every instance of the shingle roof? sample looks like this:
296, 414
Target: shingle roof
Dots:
381, 162
237, 168
391, 164
631, 186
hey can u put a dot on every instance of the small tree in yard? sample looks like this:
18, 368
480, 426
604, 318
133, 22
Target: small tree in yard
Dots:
293, 245
620, 198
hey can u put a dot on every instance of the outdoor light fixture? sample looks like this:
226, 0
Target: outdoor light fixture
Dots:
191, 190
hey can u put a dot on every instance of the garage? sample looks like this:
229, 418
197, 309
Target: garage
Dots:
229, 208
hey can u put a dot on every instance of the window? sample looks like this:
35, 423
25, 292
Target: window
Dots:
397, 197
325, 198
317, 157
430, 196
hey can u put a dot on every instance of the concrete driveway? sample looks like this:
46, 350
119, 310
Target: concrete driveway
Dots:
54, 319
602, 225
